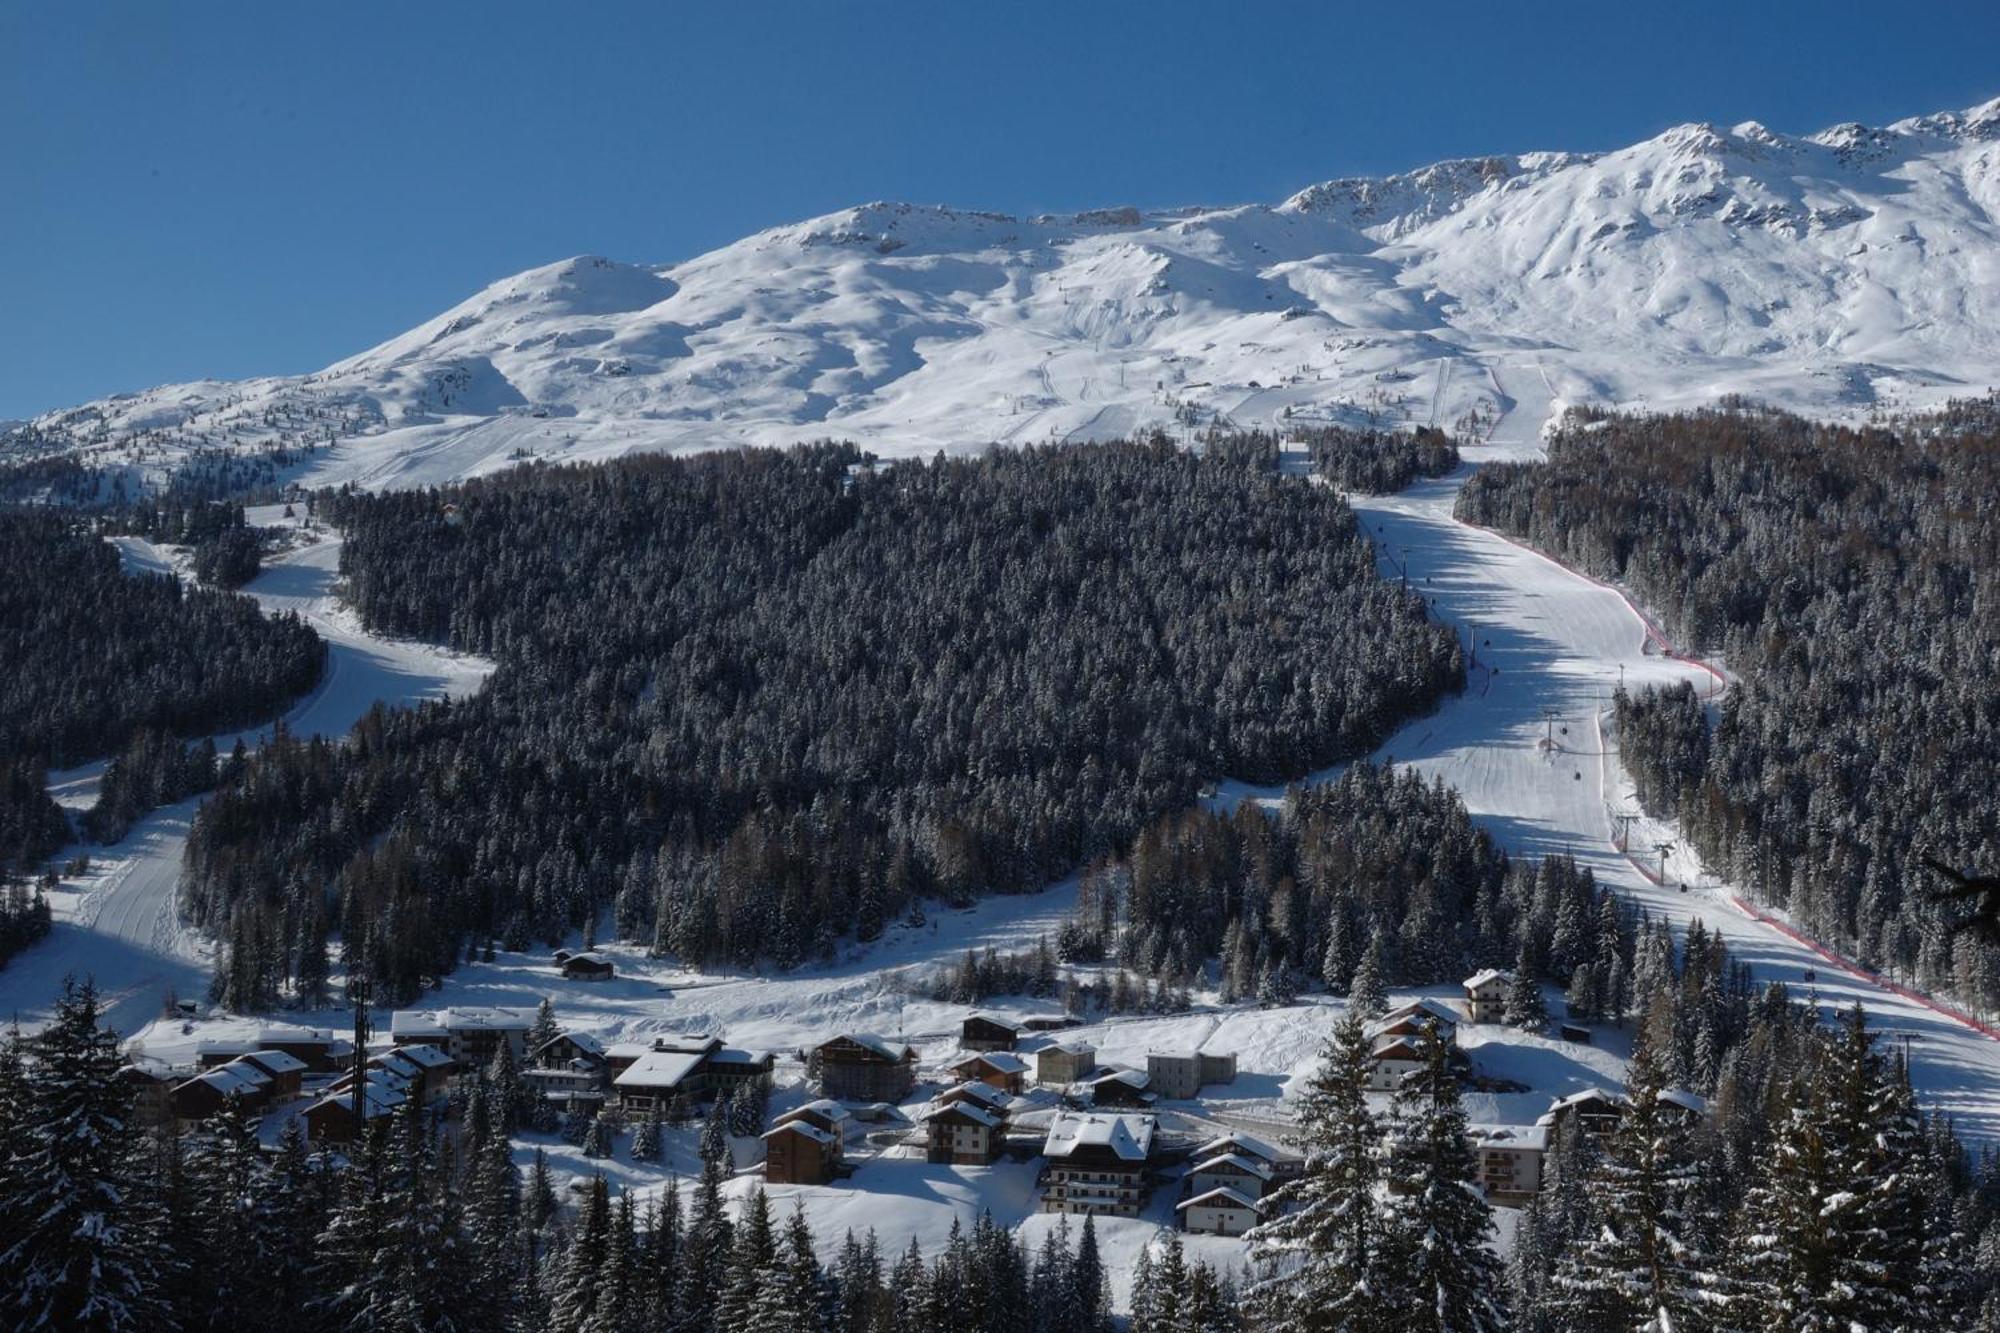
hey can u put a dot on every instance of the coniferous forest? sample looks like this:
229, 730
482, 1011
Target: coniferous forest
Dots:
98, 660
1850, 579
749, 702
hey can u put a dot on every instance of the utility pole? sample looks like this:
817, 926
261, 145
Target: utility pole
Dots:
1622, 837
1549, 729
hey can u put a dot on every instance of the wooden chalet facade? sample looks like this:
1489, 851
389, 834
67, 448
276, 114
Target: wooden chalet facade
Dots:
983, 1033
1098, 1164
964, 1133
798, 1152
997, 1069
859, 1067
587, 967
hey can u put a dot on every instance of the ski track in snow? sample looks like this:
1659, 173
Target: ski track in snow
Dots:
119, 923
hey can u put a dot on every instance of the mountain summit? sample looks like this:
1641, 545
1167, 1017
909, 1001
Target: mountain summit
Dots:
1837, 273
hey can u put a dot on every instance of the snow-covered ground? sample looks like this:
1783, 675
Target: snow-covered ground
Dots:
118, 922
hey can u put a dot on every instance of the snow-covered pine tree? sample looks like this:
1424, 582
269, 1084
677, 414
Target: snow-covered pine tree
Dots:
1442, 1278
752, 1259
1368, 993
714, 1145
1318, 1255
1090, 1296
81, 1258
1526, 1008
545, 1029
597, 1140
575, 1293
1643, 1262
648, 1140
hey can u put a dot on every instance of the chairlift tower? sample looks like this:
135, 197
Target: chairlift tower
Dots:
1663, 848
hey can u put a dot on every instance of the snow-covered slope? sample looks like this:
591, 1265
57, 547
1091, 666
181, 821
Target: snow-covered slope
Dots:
1853, 269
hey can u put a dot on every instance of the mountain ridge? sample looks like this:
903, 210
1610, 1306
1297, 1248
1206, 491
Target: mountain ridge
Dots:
1839, 273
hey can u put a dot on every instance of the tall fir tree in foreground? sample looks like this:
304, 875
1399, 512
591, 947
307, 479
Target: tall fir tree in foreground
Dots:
84, 1254
1642, 1261
1319, 1255
1441, 1277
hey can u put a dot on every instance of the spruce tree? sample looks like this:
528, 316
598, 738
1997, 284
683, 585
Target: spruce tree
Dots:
81, 1257
1643, 1263
1368, 994
1318, 1254
1442, 1277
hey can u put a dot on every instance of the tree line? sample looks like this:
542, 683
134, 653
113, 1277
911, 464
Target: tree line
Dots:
749, 702
1849, 578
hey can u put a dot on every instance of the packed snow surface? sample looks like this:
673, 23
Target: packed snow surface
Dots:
1837, 273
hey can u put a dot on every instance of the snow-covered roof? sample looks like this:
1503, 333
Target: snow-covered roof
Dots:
731, 1055
1070, 1048
1137, 1078
415, 1023
1000, 1062
659, 1069
805, 1127
583, 1041
1234, 1160
231, 1080
1236, 1141
1562, 1104
376, 1101
1486, 976
1531, 1138
1220, 1197
1130, 1137
978, 1115
1417, 1009
276, 1062
976, 1091
882, 1046
428, 1057
825, 1107
1007, 1023
484, 1020
1683, 1098
1397, 1048
679, 1042
395, 1063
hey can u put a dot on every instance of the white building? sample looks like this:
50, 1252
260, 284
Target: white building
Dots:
1486, 995
1220, 1212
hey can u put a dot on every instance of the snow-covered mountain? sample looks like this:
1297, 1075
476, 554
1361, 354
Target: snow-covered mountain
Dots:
1838, 273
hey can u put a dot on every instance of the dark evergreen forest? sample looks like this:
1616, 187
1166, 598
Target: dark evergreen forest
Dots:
1851, 579
96, 657
748, 702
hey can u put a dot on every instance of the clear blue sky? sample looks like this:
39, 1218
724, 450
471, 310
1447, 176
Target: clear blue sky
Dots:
232, 189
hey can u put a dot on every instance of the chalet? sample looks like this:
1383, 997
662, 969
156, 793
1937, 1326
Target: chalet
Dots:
1122, 1087
331, 1118
1594, 1110
983, 1095
797, 1152
1246, 1175
964, 1133
429, 1070
646, 1076
1486, 995
577, 1084
999, 1069
567, 1048
860, 1067
1409, 1020
287, 1072
652, 1081
1220, 1212
1065, 1062
1185, 1073
318, 1049
825, 1113
198, 1098
982, 1032
1283, 1163
1392, 1060
1507, 1161
1097, 1164
728, 1066
150, 1085
470, 1036
622, 1055
587, 967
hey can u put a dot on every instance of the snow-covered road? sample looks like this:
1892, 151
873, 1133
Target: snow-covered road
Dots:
118, 922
